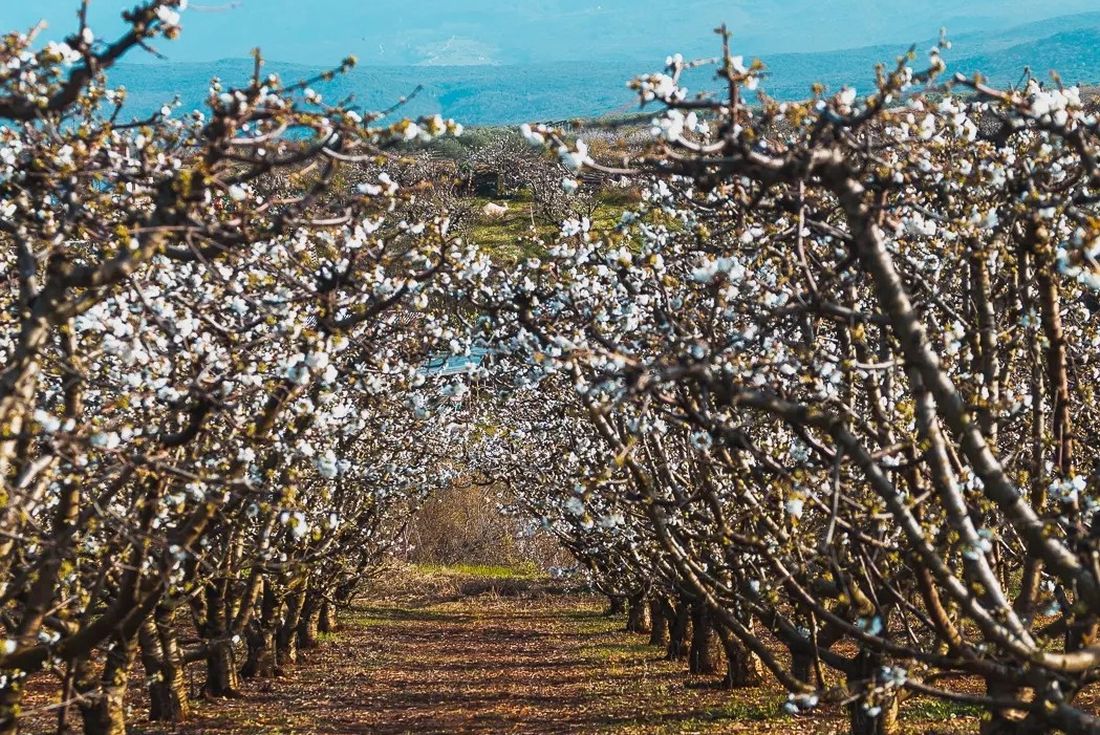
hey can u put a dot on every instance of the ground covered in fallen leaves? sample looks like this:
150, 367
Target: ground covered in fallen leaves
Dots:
490, 657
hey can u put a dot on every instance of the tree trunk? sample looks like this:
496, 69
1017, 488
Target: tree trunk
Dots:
637, 617
616, 605
679, 628
104, 712
326, 619
178, 700
1008, 722
307, 622
881, 717
260, 662
658, 624
865, 722
704, 642
802, 667
260, 638
742, 665
221, 670
167, 697
286, 639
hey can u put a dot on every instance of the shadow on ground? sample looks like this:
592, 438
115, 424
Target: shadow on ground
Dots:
525, 663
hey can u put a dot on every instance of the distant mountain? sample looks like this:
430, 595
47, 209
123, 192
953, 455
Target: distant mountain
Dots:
457, 32
491, 95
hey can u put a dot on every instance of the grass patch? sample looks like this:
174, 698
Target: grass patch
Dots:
516, 234
510, 237
924, 708
740, 711
622, 651
485, 571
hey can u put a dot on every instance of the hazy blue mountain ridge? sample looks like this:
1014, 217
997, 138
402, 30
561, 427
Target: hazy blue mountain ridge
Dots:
487, 94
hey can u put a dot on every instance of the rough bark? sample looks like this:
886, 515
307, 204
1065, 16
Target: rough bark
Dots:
637, 617
326, 619
658, 628
103, 710
286, 638
167, 701
260, 637
172, 666
702, 658
742, 666
307, 622
221, 669
679, 628
882, 717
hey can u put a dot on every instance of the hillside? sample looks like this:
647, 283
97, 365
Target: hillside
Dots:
514, 93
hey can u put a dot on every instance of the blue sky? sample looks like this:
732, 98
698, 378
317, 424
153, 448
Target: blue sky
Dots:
320, 32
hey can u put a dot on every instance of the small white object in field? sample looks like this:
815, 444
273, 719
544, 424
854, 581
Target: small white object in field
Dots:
496, 211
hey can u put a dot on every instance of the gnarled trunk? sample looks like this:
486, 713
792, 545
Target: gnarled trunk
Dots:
221, 669
704, 642
679, 628
881, 720
1011, 722
167, 689
616, 605
326, 619
260, 637
103, 710
637, 617
286, 638
307, 622
879, 717
658, 624
743, 668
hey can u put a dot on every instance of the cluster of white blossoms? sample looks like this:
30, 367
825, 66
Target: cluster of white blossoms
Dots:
816, 368
828, 375
219, 370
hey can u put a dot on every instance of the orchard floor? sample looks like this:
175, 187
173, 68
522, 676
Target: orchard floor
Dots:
492, 663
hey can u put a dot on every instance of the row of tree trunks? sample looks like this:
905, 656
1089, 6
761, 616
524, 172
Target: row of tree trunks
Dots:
687, 630
282, 627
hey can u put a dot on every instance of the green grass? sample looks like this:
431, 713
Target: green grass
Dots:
515, 236
741, 711
763, 709
625, 650
938, 709
485, 571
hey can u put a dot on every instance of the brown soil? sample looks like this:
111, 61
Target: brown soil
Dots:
512, 659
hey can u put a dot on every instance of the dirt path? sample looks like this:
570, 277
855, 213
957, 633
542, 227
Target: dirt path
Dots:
481, 665
491, 664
